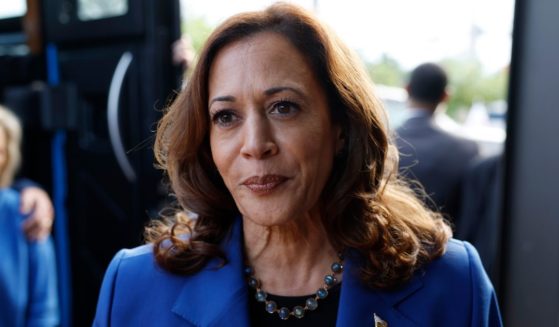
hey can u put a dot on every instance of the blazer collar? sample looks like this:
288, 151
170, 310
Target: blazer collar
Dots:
359, 303
217, 296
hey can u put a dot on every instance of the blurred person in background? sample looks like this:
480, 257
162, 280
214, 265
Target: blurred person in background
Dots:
183, 52
480, 218
184, 55
435, 158
278, 144
37, 207
28, 284
36, 204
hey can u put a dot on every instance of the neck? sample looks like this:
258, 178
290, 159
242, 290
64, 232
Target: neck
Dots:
429, 107
290, 259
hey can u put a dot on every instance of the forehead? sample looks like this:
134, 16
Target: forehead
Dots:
265, 56
259, 43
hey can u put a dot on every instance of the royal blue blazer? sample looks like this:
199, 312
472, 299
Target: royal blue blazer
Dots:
453, 290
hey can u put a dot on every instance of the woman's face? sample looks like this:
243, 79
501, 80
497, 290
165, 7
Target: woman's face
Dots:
271, 134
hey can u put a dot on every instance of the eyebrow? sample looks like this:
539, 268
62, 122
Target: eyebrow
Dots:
270, 91
225, 98
279, 89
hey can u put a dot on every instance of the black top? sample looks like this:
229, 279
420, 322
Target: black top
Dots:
325, 315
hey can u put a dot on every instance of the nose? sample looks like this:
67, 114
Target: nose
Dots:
259, 142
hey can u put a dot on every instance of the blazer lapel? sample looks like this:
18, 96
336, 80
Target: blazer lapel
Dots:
359, 304
217, 296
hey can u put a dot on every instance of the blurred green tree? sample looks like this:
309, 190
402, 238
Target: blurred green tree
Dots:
198, 29
386, 71
470, 83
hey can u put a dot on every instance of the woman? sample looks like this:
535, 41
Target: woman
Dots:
279, 146
27, 271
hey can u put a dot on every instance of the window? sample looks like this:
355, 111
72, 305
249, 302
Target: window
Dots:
12, 8
99, 9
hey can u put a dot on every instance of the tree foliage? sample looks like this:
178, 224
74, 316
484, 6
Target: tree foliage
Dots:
469, 83
386, 71
198, 29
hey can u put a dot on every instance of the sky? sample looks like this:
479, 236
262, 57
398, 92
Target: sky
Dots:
410, 31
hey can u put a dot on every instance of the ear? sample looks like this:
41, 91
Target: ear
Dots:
445, 96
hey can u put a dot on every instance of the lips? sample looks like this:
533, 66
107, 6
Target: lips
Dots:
264, 184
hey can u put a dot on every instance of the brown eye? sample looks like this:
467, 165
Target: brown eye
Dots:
224, 118
284, 108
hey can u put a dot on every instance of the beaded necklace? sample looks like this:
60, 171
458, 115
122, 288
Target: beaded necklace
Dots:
310, 304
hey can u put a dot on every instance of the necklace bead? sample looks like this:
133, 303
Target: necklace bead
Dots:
329, 280
322, 293
283, 313
261, 296
253, 282
271, 306
337, 267
299, 312
311, 303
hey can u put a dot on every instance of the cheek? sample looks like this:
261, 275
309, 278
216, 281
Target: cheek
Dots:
222, 151
318, 141
316, 151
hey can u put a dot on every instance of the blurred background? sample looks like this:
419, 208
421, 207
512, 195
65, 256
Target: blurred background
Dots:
89, 80
470, 39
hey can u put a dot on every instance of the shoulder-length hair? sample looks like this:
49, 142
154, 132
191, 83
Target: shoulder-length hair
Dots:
9, 124
365, 206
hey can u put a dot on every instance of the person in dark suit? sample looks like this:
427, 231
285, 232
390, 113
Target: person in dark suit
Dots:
279, 145
480, 218
430, 155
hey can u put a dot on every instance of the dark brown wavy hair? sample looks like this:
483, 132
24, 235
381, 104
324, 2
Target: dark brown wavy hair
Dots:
365, 206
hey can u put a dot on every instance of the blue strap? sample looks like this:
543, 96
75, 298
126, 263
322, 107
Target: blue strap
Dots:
59, 199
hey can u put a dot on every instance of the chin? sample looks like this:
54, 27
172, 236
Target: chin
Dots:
268, 220
272, 211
